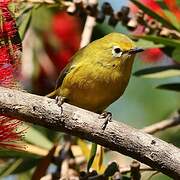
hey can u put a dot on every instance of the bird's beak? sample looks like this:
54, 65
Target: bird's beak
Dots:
135, 50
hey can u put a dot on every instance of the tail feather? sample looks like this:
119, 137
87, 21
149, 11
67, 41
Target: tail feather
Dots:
51, 94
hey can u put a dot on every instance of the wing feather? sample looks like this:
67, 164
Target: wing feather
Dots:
71, 65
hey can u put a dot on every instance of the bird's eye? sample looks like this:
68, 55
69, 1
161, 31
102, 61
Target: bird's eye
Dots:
116, 51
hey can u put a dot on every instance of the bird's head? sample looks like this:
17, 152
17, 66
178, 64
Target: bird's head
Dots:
116, 47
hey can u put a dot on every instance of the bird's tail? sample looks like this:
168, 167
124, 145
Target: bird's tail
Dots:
51, 94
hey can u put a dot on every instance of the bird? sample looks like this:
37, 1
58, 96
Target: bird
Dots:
96, 76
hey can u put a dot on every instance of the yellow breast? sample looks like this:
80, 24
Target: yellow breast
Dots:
85, 88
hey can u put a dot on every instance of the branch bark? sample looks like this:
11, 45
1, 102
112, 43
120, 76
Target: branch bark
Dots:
117, 136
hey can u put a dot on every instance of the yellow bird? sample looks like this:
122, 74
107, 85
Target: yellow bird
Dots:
97, 74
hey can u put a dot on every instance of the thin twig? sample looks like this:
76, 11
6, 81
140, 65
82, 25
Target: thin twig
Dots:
154, 128
88, 28
78, 122
160, 126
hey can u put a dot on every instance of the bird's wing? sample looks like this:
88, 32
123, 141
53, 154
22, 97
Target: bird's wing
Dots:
71, 65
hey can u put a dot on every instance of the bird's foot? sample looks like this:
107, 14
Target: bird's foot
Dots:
108, 118
59, 101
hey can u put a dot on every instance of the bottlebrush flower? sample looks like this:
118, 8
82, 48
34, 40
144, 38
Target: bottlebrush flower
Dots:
66, 31
152, 55
155, 54
152, 4
61, 41
9, 136
10, 47
149, 3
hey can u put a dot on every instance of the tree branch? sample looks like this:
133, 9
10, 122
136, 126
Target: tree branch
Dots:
162, 125
127, 169
88, 28
86, 125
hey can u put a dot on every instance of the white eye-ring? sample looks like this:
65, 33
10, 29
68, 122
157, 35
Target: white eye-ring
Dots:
116, 51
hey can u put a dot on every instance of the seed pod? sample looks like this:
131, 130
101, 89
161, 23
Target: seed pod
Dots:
119, 15
147, 30
132, 24
71, 10
125, 13
91, 10
125, 20
107, 8
100, 17
113, 20
175, 34
140, 17
125, 10
152, 24
165, 32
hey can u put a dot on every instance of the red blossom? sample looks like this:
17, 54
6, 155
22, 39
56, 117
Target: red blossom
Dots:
9, 136
152, 4
152, 55
155, 54
66, 30
10, 47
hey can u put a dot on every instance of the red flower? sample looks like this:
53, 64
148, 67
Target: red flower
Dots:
66, 31
10, 47
155, 54
149, 3
9, 136
152, 55
153, 5
9, 52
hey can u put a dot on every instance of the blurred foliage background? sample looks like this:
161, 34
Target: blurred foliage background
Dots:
51, 37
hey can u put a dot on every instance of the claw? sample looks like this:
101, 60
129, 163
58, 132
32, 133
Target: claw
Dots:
59, 101
108, 118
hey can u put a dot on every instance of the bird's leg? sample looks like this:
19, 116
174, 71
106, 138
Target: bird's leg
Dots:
59, 101
108, 118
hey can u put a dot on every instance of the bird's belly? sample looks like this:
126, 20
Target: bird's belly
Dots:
94, 96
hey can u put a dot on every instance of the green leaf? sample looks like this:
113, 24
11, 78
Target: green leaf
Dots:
84, 148
15, 154
24, 21
148, 44
151, 13
178, 3
172, 86
36, 137
168, 50
11, 167
159, 72
24, 176
100, 158
171, 17
92, 155
19, 166
176, 55
162, 40
26, 165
